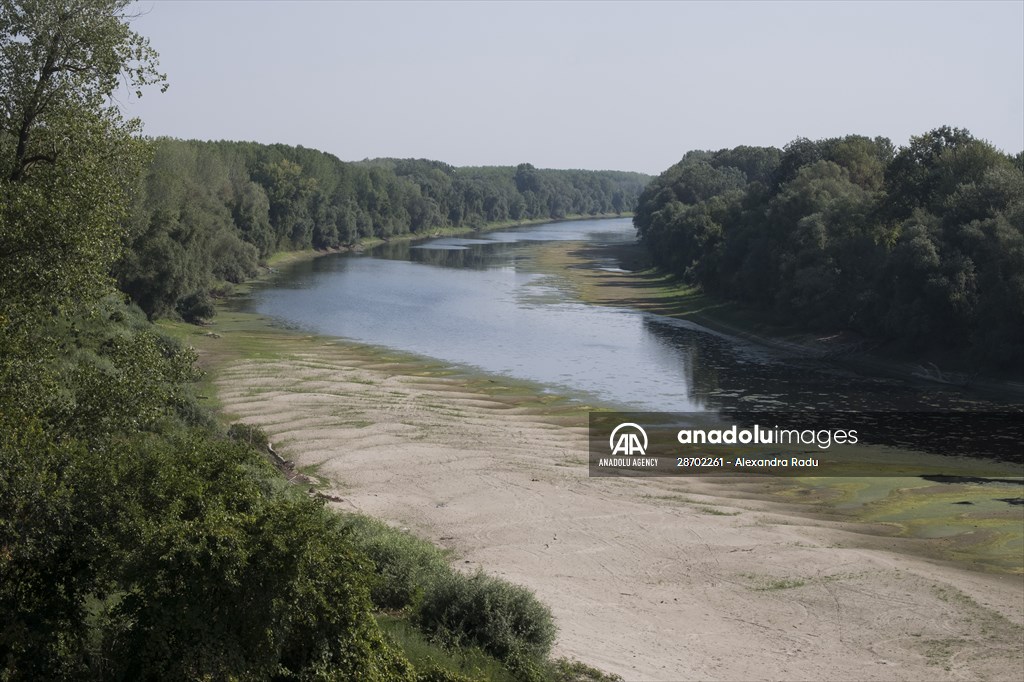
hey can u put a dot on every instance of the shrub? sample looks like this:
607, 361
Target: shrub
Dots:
250, 434
441, 675
406, 565
196, 307
505, 620
566, 670
436, 662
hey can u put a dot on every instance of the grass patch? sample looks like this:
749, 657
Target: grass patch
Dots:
716, 512
312, 472
671, 497
676, 499
764, 583
435, 662
567, 670
780, 584
640, 286
939, 652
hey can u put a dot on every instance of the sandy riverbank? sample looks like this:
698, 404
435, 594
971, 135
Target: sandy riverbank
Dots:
653, 580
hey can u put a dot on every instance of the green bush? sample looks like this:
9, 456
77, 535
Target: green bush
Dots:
566, 670
505, 620
196, 307
405, 565
230, 578
250, 434
441, 675
434, 661
458, 611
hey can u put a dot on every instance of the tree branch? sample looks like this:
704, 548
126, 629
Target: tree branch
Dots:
32, 109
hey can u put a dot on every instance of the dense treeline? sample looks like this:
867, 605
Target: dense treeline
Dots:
207, 212
138, 541
921, 247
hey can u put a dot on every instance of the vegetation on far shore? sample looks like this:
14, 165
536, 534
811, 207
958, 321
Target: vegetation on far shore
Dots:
918, 248
205, 214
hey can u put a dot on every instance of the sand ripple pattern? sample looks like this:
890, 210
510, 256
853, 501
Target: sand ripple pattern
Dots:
653, 580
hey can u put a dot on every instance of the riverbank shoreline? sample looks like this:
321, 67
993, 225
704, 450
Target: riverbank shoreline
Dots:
281, 260
708, 582
621, 275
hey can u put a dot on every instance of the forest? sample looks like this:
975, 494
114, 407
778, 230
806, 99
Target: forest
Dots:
140, 539
919, 249
206, 213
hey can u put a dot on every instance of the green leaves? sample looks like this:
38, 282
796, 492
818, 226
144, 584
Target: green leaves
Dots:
67, 160
920, 246
193, 559
134, 544
61, 57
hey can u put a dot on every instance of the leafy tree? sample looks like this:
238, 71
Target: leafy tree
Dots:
135, 542
919, 247
66, 160
288, 191
917, 173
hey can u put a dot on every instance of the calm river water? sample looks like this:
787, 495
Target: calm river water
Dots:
480, 303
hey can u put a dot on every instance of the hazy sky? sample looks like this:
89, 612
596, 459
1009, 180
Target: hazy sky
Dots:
597, 85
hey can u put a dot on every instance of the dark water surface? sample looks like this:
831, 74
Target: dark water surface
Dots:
479, 302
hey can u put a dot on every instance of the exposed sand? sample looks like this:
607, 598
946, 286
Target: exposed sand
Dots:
650, 579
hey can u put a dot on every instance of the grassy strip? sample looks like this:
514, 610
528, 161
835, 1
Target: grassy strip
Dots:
440, 664
443, 664
236, 336
637, 284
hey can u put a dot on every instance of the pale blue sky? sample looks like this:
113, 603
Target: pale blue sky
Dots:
598, 85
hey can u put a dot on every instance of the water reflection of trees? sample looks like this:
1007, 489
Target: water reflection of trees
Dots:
471, 257
726, 376
751, 387
700, 358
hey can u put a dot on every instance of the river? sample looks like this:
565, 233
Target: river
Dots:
481, 303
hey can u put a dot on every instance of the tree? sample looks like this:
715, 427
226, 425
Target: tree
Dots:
66, 159
920, 172
135, 543
919, 247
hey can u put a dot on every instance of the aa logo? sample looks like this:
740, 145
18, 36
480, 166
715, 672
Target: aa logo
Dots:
628, 439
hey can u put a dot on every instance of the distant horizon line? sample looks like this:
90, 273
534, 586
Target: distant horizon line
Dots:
652, 174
